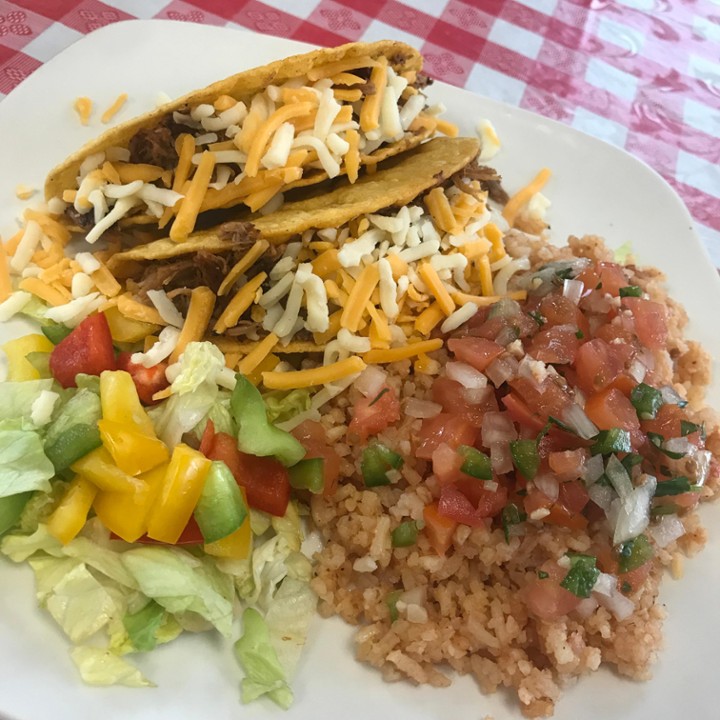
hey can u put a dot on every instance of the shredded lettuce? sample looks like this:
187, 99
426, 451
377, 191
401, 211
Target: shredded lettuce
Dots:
200, 364
99, 666
282, 405
264, 675
18, 397
23, 464
142, 626
181, 582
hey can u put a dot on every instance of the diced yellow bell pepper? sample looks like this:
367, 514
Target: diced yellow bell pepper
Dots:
17, 351
237, 545
179, 494
98, 467
127, 330
133, 451
120, 401
126, 514
69, 516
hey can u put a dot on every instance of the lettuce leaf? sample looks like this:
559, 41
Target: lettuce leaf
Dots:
18, 397
264, 675
23, 464
281, 405
20, 547
180, 582
99, 666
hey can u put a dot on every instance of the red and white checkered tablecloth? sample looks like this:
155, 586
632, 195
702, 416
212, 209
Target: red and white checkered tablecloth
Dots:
642, 74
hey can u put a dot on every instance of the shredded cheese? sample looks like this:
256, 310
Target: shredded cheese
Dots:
137, 311
315, 376
190, 205
24, 192
437, 203
370, 110
245, 263
430, 277
242, 300
202, 304
521, 198
5, 281
83, 107
110, 113
352, 156
429, 318
359, 297
51, 294
402, 353
258, 354
485, 300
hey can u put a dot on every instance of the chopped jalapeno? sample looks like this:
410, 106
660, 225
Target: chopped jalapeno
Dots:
688, 428
582, 575
580, 335
611, 441
377, 460
525, 457
631, 291
405, 534
675, 486
646, 400
476, 463
664, 509
631, 460
658, 441
542, 575
634, 553
626, 587
308, 474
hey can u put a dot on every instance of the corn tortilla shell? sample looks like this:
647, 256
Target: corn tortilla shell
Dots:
243, 86
397, 184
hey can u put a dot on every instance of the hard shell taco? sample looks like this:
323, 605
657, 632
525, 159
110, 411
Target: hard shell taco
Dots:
367, 270
245, 139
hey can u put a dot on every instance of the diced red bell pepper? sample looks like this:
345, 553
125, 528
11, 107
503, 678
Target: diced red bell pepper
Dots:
148, 381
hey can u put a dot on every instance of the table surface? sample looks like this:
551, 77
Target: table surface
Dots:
641, 74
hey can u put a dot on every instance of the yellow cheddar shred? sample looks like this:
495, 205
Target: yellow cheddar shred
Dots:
402, 353
429, 318
251, 361
379, 326
190, 205
346, 78
370, 110
245, 263
83, 107
435, 285
447, 128
358, 298
437, 204
267, 365
51, 294
137, 311
129, 172
326, 263
202, 304
105, 281
341, 66
242, 300
486, 283
5, 282
115, 108
352, 156
332, 331
315, 376
485, 300
224, 102
351, 95
521, 198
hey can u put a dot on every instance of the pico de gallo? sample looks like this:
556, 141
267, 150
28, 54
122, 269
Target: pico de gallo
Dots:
555, 411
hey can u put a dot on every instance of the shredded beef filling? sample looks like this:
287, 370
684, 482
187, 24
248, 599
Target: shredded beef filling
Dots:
242, 234
156, 146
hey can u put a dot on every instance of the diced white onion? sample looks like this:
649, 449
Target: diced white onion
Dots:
637, 370
594, 468
500, 457
371, 381
501, 369
601, 495
474, 396
607, 594
576, 418
618, 477
631, 515
166, 308
669, 529
548, 484
573, 290
497, 427
421, 408
679, 445
466, 375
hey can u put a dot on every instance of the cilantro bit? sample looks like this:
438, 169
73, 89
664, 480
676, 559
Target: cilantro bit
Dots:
634, 553
579, 334
631, 291
675, 486
379, 395
537, 317
626, 588
582, 575
688, 428
611, 441
542, 575
646, 400
658, 441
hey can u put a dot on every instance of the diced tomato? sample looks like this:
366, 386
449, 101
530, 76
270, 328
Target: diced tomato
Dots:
650, 321
476, 351
598, 364
559, 310
668, 423
147, 381
573, 496
438, 528
87, 349
446, 464
550, 398
517, 326
558, 514
208, 437
265, 479
372, 415
454, 399
312, 436
556, 344
546, 598
520, 413
444, 428
469, 502
568, 464
611, 409
635, 578
610, 276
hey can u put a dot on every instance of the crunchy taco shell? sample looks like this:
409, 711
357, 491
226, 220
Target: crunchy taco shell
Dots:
243, 140
394, 185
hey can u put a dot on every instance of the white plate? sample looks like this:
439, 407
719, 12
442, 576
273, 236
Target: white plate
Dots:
596, 188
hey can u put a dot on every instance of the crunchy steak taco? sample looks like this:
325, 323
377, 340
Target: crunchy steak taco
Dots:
245, 139
369, 269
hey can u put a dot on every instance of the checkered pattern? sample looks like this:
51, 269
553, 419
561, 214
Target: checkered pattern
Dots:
644, 79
